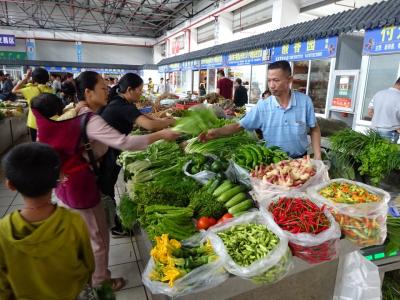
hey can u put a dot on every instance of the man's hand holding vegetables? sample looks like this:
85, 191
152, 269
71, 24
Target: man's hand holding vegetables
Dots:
284, 119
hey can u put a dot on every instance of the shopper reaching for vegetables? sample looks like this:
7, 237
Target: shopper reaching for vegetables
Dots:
122, 114
284, 119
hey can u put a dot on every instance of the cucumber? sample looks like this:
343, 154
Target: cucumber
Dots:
213, 186
235, 200
242, 206
224, 197
226, 185
239, 214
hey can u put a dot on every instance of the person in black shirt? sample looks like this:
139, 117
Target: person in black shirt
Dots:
122, 114
240, 98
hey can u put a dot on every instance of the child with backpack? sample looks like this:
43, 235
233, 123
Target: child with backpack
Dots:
45, 250
80, 143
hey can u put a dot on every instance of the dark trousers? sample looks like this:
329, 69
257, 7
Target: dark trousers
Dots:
33, 133
109, 171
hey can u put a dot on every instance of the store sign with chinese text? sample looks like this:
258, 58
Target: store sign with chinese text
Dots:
163, 69
174, 67
251, 57
307, 50
190, 65
7, 40
382, 40
212, 62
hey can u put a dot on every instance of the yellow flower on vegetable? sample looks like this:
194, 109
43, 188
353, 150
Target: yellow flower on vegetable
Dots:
164, 248
171, 274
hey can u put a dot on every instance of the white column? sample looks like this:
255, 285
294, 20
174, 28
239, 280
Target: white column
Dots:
285, 13
224, 32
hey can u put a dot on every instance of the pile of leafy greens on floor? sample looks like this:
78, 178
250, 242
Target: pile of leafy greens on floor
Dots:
375, 156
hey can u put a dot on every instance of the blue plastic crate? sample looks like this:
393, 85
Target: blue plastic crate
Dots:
146, 110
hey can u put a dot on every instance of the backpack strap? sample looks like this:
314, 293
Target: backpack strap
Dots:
86, 143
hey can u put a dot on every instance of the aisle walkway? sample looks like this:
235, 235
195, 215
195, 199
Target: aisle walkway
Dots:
124, 259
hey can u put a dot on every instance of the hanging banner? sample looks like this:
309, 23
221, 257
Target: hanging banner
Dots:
382, 40
78, 49
251, 57
62, 69
212, 62
7, 40
30, 49
308, 50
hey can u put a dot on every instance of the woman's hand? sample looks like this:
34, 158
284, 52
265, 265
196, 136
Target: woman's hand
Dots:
169, 135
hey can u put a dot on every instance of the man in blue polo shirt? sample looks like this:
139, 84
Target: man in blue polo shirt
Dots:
284, 118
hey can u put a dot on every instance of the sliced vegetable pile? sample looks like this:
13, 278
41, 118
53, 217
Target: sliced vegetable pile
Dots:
250, 156
298, 215
342, 192
174, 221
173, 260
289, 173
248, 243
198, 120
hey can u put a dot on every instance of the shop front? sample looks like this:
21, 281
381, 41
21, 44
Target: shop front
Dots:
211, 64
251, 67
380, 68
312, 63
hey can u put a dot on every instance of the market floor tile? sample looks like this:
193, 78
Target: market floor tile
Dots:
18, 200
121, 240
7, 193
137, 293
122, 253
3, 210
130, 272
6, 200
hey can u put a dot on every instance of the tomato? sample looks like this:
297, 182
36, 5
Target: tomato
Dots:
227, 216
219, 221
212, 221
203, 223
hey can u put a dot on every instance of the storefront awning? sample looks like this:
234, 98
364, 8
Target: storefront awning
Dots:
372, 16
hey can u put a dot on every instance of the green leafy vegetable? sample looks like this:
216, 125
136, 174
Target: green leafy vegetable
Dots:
127, 212
198, 121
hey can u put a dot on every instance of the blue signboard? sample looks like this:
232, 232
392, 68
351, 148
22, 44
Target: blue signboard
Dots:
63, 69
78, 48
7, 40
30, 49
311, 49
174, 67
251, 57
212, 62
190, 65
163, 69
382, 40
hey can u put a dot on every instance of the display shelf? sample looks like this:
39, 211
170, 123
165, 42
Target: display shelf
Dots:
306, 280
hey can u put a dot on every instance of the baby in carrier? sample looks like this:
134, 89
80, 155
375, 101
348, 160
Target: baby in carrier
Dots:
52, 107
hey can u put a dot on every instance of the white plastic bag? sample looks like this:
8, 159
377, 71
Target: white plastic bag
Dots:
364, 223
359, 281
269, 269
264, 190
236, 173
202, 177
313, 248
202, 278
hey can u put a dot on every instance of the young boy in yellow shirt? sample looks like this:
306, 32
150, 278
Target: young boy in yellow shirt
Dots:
40, 77
45, 250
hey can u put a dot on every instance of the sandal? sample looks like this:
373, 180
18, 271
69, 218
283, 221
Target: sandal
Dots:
117, 283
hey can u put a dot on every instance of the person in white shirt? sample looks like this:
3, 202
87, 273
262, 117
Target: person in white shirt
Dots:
384, 109
161, 87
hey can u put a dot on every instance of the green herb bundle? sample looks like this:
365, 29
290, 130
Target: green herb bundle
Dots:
376, 156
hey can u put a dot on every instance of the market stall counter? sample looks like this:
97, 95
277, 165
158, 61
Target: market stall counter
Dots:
304, 281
